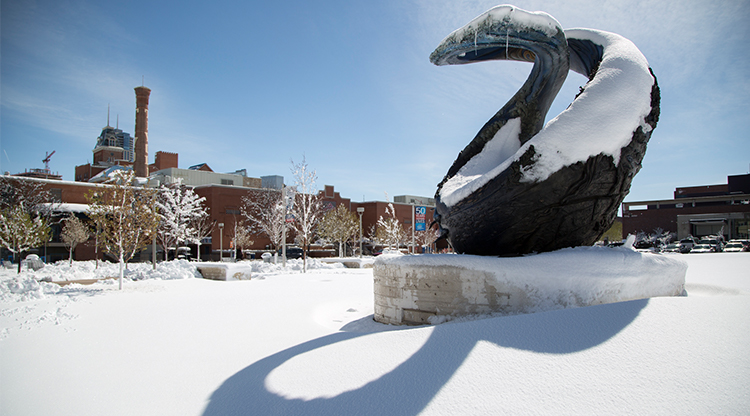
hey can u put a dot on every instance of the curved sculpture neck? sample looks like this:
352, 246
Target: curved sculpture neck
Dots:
508, 41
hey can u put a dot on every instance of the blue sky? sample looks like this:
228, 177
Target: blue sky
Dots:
345, 83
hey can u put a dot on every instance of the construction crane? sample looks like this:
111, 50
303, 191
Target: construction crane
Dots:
46, 160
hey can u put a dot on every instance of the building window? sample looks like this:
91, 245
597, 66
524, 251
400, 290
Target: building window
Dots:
227, 182
741, 229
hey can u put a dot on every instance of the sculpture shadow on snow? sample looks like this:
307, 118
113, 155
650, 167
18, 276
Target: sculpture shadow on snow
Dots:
410, 387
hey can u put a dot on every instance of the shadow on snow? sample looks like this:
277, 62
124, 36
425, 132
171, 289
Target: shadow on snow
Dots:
410, 387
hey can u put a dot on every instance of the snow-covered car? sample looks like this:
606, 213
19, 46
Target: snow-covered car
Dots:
32, 261
673, 248
702, 248
734, 247
183, 253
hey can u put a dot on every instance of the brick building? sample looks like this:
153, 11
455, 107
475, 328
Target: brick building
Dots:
695, 210
68, 198
223, 192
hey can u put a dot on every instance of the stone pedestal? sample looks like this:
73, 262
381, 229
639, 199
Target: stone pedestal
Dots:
416, 290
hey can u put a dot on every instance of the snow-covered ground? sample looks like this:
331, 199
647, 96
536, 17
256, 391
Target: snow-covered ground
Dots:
291, 343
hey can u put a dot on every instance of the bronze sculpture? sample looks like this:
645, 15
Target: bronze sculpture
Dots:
522, 187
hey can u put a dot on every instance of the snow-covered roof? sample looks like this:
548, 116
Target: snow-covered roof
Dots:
68, 208
106, 174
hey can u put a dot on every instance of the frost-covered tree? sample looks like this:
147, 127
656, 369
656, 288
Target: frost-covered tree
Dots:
125, 215
265, 213
389, 229
372, 233
19, 231
339, 225
178, 208
74, 232
658, 238
307, 209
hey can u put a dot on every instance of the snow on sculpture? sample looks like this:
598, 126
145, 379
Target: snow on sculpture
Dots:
520, 186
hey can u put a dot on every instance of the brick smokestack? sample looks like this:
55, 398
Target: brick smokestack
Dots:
141, 131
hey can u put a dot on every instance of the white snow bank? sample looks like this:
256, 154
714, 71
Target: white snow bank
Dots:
262, 269
601, 120
365, 261
31, 284
305, 344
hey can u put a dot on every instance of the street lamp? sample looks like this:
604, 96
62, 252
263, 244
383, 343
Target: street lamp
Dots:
360, 211
221, 241
285, 210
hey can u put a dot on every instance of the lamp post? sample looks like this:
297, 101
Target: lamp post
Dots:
221, 241
283, 226
360, 211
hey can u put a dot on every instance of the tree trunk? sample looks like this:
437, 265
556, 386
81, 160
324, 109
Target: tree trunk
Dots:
304, 255
71, 256
122, 272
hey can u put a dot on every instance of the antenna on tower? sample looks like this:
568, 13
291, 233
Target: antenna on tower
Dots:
107, 114
118, 122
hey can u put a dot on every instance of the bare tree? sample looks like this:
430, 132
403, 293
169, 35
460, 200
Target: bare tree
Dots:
427, 237
307, 208
243, 238
20, 232
125, 215
28, 193
203, 226
74, 232
265, 213
338, 225
30, 197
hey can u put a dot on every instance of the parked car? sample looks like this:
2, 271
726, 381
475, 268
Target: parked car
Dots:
734, 247
703, 248
688, 244
183, 253
715, 244
673, 248
646, 246
293, 253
